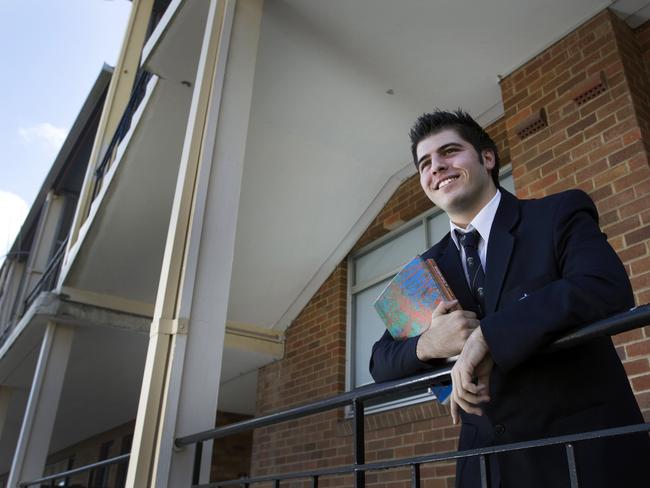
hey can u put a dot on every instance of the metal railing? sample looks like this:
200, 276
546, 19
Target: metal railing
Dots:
137, 94
365, 396
72, 472
368, 395
49, 277
46, 282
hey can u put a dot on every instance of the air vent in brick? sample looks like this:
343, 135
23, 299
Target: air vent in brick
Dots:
590, 89
531, 124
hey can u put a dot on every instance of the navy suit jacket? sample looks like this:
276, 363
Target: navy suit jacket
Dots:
549, 269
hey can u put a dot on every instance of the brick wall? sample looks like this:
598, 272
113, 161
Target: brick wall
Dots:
642, 35
313, 368
599, 147
231, 456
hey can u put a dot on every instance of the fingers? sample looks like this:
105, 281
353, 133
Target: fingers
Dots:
468, 407
454, 410
444, 308
466, 394
471, 392
473, 323
457, 403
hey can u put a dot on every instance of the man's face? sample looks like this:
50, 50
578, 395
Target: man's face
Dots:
452, 176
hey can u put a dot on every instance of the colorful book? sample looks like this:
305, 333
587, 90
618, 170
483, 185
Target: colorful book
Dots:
406, 304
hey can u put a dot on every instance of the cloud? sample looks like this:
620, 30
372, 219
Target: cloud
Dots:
13, 211
45, 132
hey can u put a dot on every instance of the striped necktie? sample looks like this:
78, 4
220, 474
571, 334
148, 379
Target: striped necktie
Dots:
469, 241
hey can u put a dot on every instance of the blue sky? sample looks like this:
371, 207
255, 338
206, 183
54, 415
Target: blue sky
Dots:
52, 52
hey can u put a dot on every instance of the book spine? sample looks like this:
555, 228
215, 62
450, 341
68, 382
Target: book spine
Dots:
440, 279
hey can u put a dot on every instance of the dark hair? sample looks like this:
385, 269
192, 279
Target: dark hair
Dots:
467, 128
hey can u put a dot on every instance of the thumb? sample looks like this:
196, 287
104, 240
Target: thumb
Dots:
453, 406
444, 307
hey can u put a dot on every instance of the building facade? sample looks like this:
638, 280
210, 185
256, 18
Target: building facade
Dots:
246, 193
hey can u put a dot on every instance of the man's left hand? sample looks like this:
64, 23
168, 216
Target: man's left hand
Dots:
470, 376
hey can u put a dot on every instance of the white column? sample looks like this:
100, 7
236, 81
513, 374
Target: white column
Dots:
204, 297
182, 372
42, 405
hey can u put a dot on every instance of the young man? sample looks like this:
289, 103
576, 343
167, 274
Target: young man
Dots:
524, 272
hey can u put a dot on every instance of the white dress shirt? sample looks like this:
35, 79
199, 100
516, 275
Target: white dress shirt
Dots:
482, 222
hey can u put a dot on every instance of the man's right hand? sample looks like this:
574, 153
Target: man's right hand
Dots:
449, 329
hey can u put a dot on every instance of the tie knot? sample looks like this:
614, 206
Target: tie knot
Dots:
469, 239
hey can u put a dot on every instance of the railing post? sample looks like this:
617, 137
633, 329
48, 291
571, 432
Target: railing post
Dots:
573, 470
415, 476
485, 472
359, 444
196, 472
314, 482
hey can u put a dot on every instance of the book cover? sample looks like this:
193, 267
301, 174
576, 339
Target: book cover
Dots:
406, 304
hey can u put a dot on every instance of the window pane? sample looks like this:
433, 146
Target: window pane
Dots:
438, 227
368, 329
390, 255
508, 183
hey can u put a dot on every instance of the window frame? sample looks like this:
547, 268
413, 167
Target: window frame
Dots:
424, 219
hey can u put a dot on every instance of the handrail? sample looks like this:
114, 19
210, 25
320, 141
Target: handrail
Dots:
107, 158
636, 317
612, 325
445, 456
47, 274
137, 94
81, 469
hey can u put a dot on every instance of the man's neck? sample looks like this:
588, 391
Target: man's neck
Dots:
463, 219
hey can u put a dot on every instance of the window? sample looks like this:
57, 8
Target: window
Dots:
372, 267
122, 468
98, 478
59, 467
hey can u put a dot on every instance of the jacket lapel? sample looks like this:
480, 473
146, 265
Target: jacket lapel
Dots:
452, 269
500, 246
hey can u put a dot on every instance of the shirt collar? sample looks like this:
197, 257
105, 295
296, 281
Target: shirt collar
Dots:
482, 222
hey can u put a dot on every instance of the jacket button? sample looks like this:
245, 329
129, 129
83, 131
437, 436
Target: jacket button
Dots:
499, 429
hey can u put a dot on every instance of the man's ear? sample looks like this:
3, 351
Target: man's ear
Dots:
488, 158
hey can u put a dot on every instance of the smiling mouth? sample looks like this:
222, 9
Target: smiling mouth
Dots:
446, 181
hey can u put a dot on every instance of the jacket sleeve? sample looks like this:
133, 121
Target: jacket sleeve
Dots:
592, 284
391, 359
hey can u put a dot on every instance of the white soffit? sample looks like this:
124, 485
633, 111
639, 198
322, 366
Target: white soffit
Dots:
337, 86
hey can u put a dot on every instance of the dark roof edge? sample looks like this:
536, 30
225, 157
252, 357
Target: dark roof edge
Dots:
82, 119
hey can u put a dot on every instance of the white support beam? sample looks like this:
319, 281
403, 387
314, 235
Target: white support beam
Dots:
117, 99
182, 375
42, 405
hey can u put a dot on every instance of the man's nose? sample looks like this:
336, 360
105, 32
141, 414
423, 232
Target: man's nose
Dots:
437, 165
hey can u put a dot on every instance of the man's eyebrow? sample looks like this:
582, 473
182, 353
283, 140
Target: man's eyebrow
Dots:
441, 149
426, 156
444, 147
